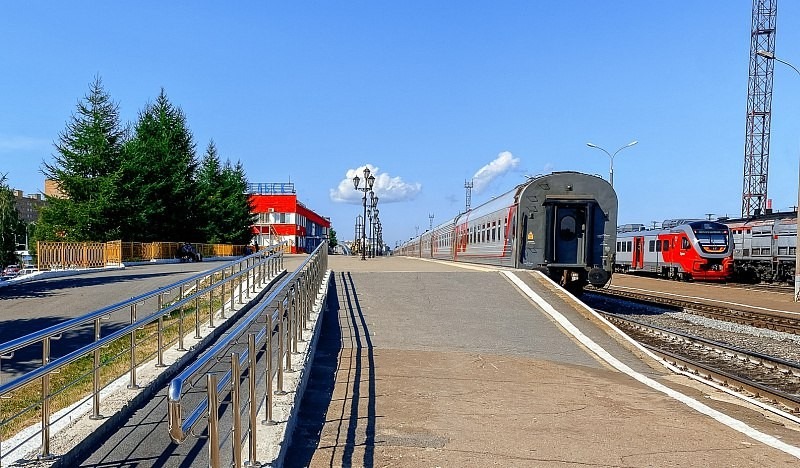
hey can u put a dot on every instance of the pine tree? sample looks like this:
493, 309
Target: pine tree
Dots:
87, 170
159, 175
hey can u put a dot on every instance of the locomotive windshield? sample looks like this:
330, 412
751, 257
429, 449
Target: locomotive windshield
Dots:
712, 237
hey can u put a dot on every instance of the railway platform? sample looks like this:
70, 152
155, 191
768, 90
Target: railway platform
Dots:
424, 363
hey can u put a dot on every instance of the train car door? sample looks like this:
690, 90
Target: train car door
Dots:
570, 232
638, 252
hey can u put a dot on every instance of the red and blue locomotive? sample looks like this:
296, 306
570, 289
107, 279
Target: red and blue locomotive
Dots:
682, 250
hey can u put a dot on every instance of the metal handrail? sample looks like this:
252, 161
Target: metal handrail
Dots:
273, 309
59, 328
259, 260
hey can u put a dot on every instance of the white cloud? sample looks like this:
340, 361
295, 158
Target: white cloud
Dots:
10, 144
388, 189
504, 162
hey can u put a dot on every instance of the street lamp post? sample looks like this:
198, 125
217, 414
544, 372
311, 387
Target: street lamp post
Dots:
374, 200
611, 156
769, 55
368, 181
375, 212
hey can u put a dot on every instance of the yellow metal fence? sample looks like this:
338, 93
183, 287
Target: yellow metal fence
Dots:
65, 255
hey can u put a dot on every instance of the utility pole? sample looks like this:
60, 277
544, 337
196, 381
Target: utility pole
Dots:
468, 185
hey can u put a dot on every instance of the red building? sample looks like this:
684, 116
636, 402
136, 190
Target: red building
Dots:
281, 217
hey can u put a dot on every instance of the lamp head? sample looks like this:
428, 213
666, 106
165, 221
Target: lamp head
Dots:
766, 54
370, 179
356, 180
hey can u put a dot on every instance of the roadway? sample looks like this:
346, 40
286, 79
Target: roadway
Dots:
34, 305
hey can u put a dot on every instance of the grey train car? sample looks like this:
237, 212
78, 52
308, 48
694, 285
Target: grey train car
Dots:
764, 247
563, 224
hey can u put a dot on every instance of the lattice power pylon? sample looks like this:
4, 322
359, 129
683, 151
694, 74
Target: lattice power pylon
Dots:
759, 108
468, 185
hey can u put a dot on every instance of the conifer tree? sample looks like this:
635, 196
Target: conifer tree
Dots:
159, 175
209, 183
87, 171
240, 205
9, 223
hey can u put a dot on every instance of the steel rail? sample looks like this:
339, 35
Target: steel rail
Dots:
772, 363
770, 321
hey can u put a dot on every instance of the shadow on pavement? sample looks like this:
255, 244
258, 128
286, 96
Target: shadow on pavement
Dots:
318, 395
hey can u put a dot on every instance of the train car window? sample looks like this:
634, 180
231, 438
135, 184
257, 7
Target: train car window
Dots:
619, 244
792, 250
658, 246
783, 250
666, 245
628, 246
567, 231
746, 252
684, 243
651, 246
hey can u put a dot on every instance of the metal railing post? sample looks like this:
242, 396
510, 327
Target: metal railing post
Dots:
181, 316
247, 276
233, 289
96, 375
213, 421
196, 310
281, 347
160, 350
222, 298
236, 379
268, 380
211, 308
240, 283
45, 420
132, 383
251, 380
293, 323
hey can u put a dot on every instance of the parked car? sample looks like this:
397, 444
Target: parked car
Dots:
11, 270
28, 270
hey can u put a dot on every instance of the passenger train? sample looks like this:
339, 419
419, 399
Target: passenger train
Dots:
563, 223
764, 247
681, 249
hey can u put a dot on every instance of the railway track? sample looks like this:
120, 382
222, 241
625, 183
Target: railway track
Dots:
758, 375
753, 318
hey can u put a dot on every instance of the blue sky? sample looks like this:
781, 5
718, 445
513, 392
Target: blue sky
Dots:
428, 94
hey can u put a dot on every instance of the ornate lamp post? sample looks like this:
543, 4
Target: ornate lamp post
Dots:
374, 201
611, 168
375, 212
368, 181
